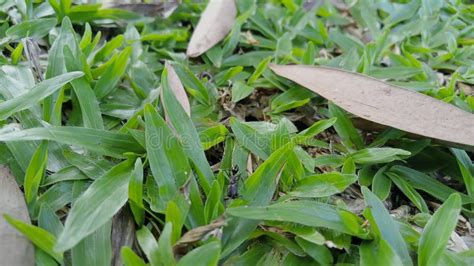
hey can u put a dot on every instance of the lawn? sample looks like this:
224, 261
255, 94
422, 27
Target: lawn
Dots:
246, 132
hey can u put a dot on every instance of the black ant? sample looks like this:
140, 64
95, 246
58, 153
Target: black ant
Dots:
234, 177
233, 189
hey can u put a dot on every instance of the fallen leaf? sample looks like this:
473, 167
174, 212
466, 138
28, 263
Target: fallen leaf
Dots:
178, 90
310, 4
163, 9
198, 233
215, 22
385, 104
123, 233
468, 240
340, 5
15, 249
456, 243
466, 89
249, 164
32, 52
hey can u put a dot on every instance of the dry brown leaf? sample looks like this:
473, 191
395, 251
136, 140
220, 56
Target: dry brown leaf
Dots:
382, 103
468, 240
15, 249
308, 5
466, 89
158, 8
198, 233
178, 89
249, 164
215, 22
456, 243
340, 5
123, 233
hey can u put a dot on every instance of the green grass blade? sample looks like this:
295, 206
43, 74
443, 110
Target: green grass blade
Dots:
428, 184
187, 133
65, 174
90, 110
192, 84
108, 48
207, 254
35, 171
66, 37
260, 186
95, 249
213, 136
196, 210
323, 185
309, 54
57, 196
213, 202
317, 127
40, 237
91, 166
135, 193
437, 232
259, 70
378, 155
96, 205
319, 253
176, 215
48, 220
385, 225
249, 138
381, 184
162, 149
36, 94
57, 110
378, 252
467, 169
112, 75
409, 191
129, 258
258, 190
345, 129
149, 245
305, 212
35, 28
99, 141
165, 247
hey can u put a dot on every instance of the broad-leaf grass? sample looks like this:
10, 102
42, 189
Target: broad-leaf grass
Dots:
283, 167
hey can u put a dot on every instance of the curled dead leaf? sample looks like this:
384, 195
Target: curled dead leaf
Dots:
466, 88
468, 240
159, 8
196, 234
250, 39
456, 243
15, 249
215, 22
178, 89
385, 104
123, 233
308, 5
340, 5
